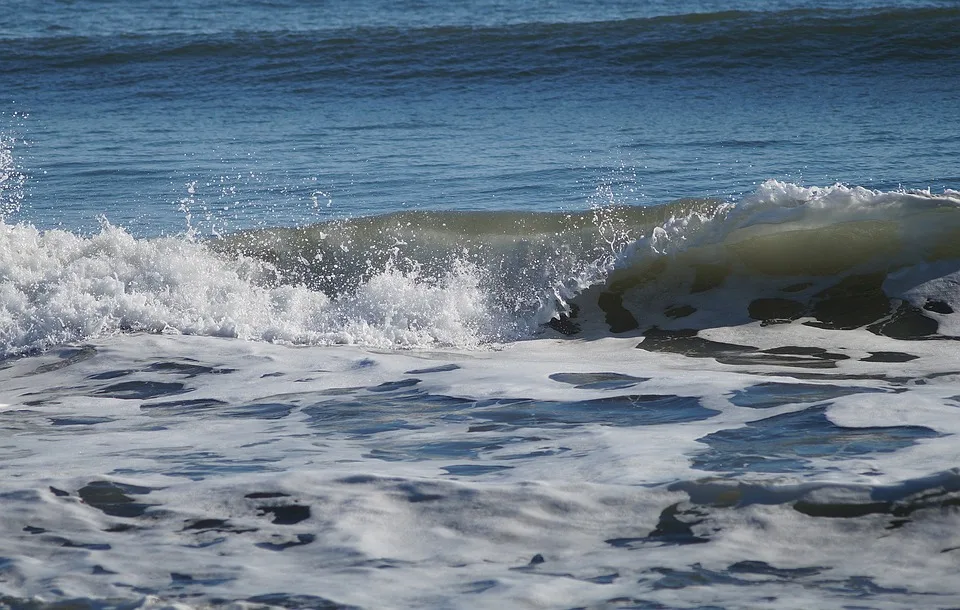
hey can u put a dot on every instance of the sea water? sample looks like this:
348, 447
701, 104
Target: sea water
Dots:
370, 304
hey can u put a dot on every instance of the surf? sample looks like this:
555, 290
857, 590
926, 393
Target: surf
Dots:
838, 257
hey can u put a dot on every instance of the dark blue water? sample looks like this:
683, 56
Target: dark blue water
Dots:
277, 113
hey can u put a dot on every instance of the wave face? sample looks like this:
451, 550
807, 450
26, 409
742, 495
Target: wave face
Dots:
839, 257
840, 41
836, 257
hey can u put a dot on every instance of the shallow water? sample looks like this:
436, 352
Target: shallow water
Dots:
651, 482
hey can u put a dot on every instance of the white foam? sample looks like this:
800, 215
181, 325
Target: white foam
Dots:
563, 491
58, 287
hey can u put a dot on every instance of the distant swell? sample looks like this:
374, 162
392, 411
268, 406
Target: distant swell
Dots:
840, 41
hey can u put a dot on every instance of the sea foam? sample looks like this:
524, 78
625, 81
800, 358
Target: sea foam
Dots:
59, 287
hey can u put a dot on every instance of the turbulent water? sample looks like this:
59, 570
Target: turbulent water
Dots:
531, 305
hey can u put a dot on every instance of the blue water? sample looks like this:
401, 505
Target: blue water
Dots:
279, 113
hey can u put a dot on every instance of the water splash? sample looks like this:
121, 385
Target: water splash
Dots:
12, 180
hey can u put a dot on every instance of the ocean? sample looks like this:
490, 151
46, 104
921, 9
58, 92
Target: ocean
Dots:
530, 304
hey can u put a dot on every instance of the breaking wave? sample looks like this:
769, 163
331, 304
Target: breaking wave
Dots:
840, 257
